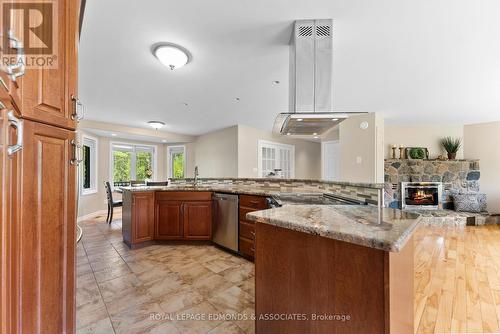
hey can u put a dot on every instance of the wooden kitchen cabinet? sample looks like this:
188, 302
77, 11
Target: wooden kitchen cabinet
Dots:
138, 217
44, 229
197, 220
38, 186
49, 94
249, 203
8, 215
168, 220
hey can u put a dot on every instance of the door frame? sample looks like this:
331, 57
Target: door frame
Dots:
323, 144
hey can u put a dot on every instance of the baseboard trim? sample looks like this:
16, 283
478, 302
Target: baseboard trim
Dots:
92, 215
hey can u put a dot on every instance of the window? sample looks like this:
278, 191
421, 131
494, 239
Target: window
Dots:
276, 156
132, 162
88, 169
176, 156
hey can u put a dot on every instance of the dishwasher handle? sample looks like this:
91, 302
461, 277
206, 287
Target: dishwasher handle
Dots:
224, 197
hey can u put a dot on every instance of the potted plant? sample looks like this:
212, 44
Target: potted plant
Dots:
451, 145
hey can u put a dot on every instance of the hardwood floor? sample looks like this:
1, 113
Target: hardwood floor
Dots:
457, 282
457, 279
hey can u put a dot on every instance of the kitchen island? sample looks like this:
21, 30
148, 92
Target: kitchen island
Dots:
322, 268
334, 269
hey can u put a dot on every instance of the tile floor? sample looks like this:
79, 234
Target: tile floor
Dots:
160, 288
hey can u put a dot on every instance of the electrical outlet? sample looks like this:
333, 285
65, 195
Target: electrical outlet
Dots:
359, 160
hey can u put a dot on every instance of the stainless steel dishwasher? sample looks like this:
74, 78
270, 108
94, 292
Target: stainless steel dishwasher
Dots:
225, 229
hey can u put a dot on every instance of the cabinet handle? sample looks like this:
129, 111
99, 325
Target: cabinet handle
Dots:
75, 161
18, 69
77, 106
253, 234
18, 124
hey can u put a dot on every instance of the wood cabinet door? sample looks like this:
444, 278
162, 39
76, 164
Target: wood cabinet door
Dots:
46, 92
143, 216
46, 231
168, 223
197, 219
9, 302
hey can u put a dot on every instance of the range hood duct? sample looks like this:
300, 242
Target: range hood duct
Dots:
311, 93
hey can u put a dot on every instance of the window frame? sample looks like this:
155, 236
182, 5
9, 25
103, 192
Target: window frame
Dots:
94, 187
169, 159
133, 161
277, 146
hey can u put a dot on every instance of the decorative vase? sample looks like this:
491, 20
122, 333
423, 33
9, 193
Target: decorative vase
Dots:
452, 156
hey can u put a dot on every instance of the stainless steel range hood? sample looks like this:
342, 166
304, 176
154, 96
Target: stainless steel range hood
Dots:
311, 94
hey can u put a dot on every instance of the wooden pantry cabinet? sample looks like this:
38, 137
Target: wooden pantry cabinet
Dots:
38, 162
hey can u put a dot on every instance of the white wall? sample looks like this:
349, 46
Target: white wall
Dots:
481, 142
216, 153
421, 135
307, 153
361, 153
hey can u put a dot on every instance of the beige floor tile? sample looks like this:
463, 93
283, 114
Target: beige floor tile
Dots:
219, 265
137, 319
239, 273
196, 319
211, 284
112, 271
230, 300
117, 286
227, 327
102, 326
180, 300
90, 313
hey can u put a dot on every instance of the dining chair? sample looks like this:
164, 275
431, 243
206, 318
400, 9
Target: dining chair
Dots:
111, 203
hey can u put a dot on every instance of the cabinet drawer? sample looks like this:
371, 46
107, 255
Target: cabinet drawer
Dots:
247, 230
247, 247
255, 202
184, 195
243, 214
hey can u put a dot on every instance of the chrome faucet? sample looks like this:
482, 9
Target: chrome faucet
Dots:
195, 181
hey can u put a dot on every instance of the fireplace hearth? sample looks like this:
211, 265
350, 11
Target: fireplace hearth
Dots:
421, 195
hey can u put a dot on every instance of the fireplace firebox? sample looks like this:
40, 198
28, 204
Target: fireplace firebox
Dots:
421, 195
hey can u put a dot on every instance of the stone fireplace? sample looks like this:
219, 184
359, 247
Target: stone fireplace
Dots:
422, 195
456, 177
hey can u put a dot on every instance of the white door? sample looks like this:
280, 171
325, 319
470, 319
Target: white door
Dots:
331, 160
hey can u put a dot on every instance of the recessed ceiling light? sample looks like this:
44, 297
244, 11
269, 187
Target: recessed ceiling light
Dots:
335, 119
163, 140
315, 134
113, 134
172, 55
316, 137
156, 124
300, 119
288, 134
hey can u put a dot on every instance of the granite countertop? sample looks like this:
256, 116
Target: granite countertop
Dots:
357, 224
231, 189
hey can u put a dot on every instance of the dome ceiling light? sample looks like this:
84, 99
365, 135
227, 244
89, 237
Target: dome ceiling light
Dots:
156, 124
172, 55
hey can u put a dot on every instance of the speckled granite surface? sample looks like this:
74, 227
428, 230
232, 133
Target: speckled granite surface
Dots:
230, 189
355, 224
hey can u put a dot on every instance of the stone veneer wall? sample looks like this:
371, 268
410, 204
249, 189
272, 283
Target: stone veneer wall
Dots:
364, 192
458, 176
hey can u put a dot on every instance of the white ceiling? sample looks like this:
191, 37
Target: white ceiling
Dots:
414, 61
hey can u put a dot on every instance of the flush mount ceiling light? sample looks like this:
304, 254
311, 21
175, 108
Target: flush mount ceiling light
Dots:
171, 55
156, 124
